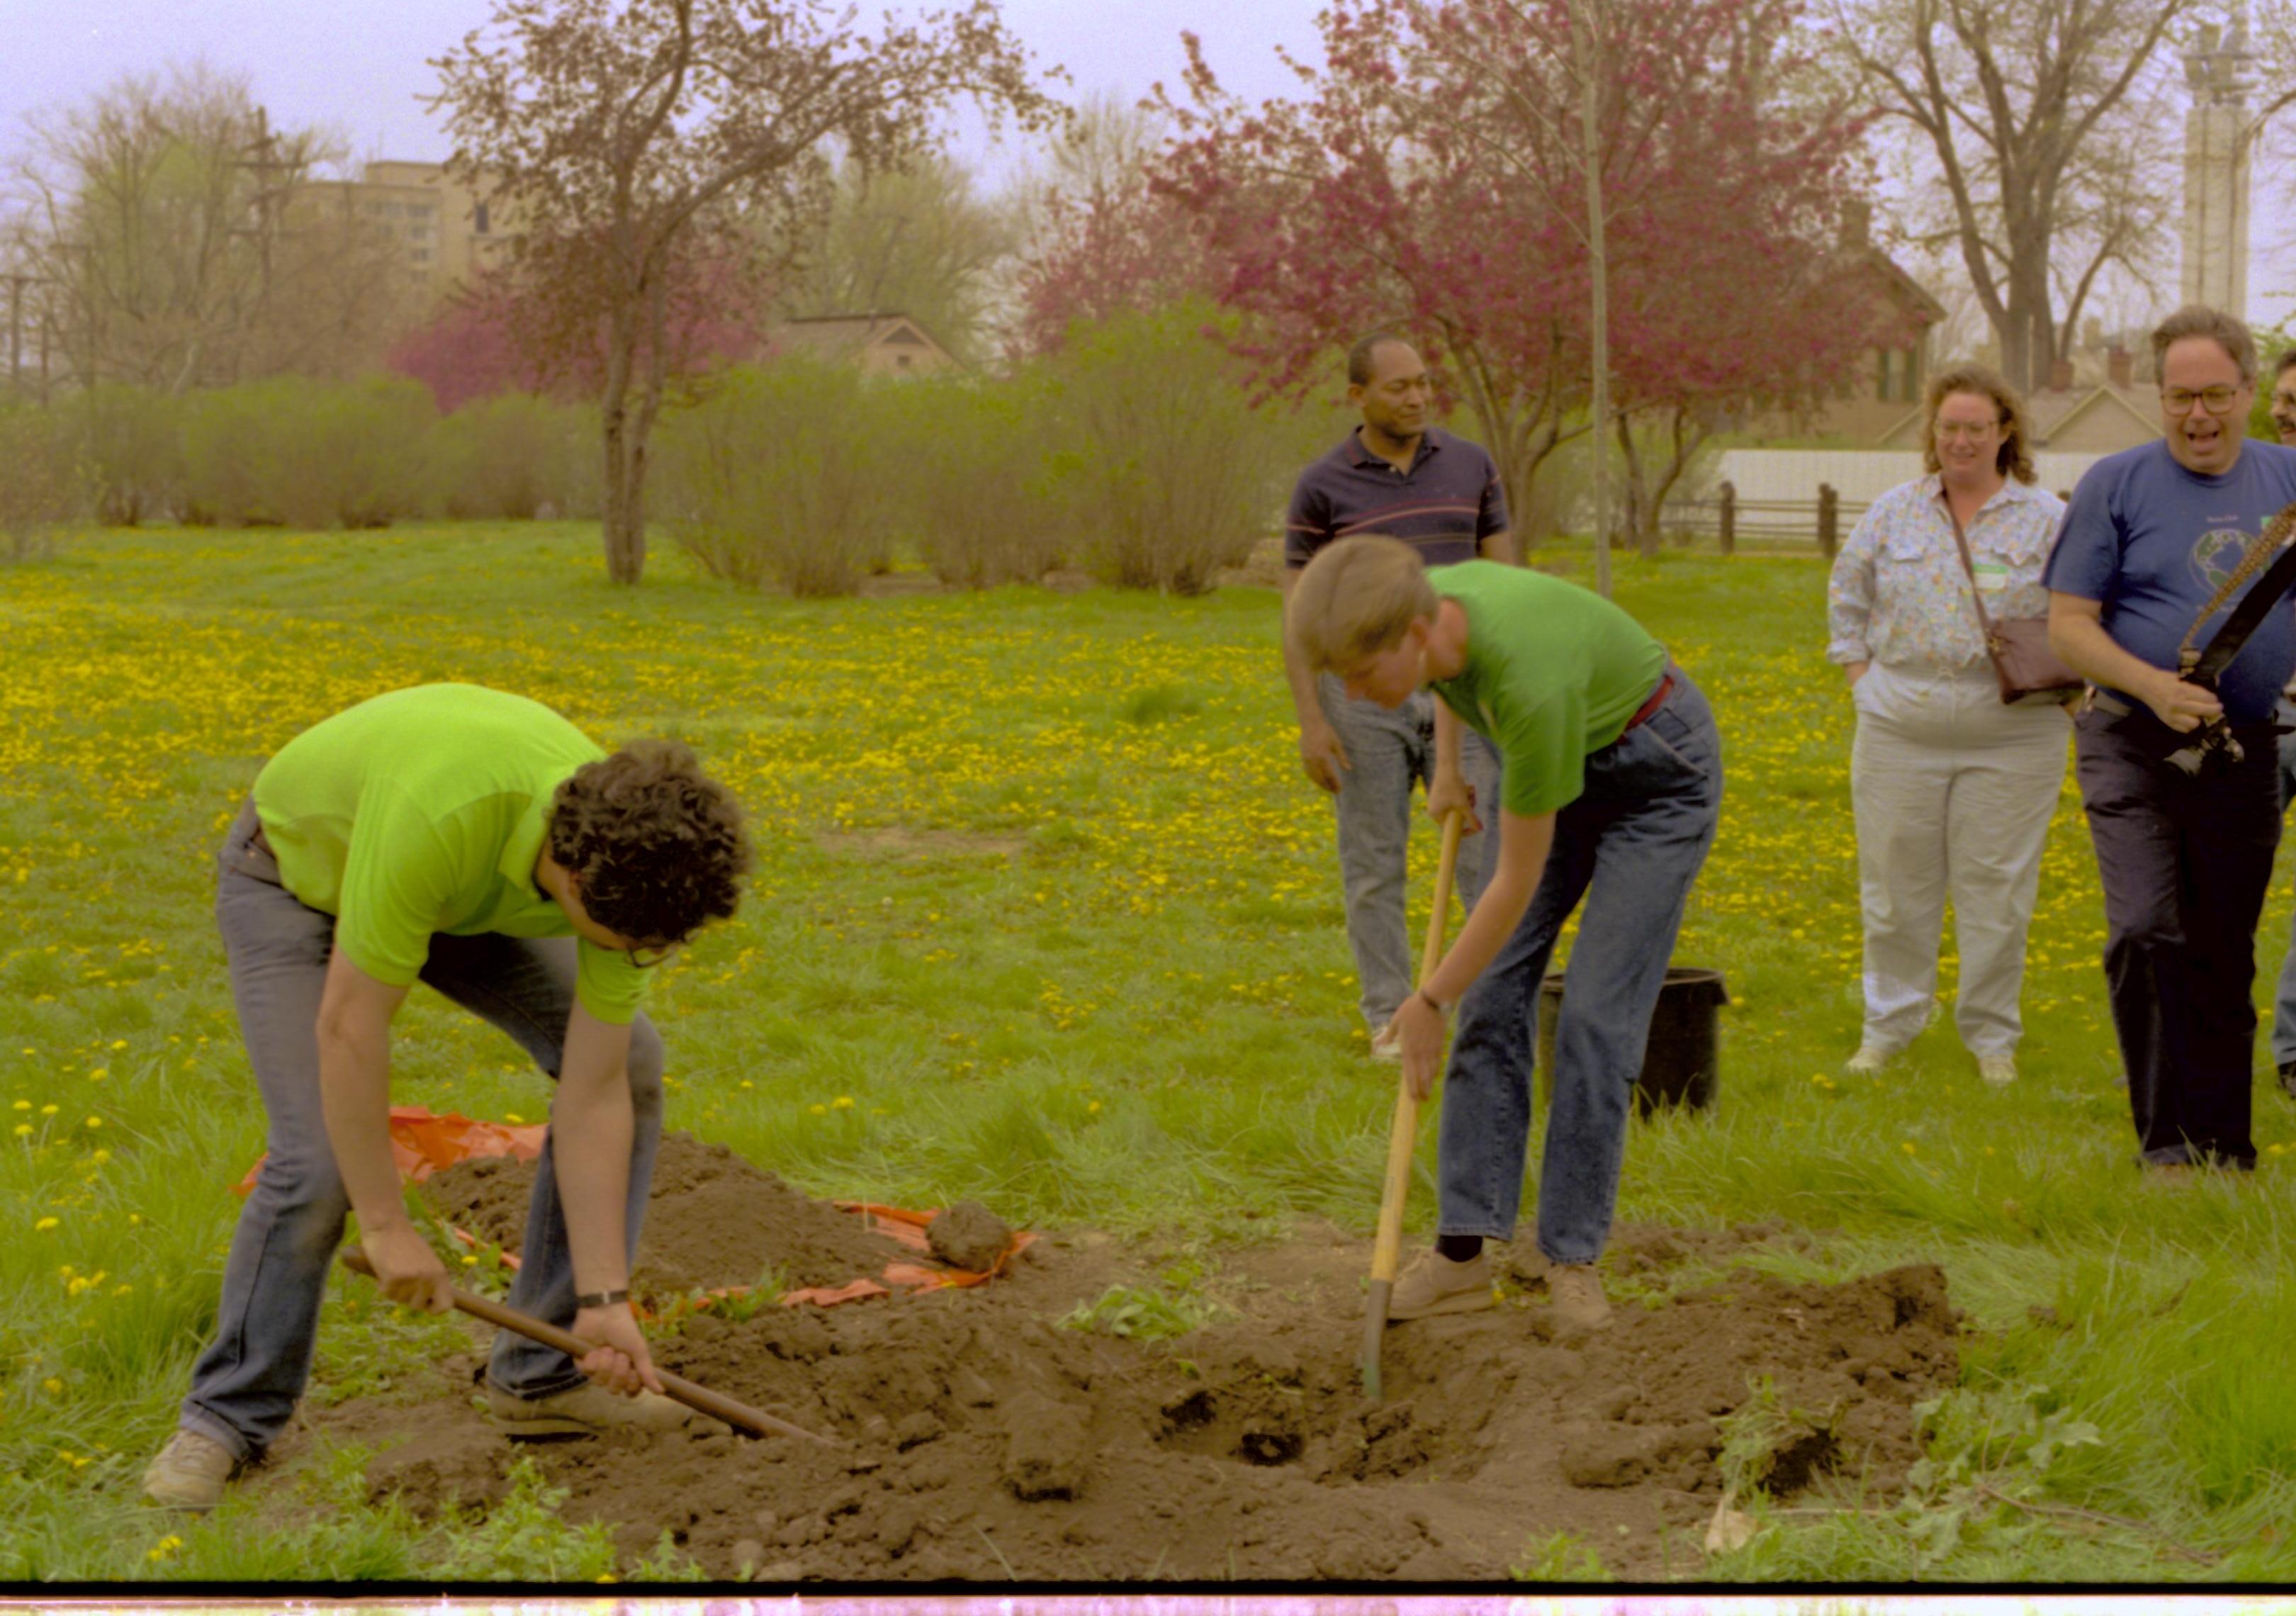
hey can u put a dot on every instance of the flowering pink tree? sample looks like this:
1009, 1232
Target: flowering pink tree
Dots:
1433, 177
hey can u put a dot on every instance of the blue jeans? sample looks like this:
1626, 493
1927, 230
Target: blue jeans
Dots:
245, 1384
1630, 845
2284, 1008
1388, 753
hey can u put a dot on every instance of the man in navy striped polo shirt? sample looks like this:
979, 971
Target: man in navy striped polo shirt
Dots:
1397, 475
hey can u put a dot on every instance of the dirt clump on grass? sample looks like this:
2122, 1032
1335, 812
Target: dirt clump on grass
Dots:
712, 1220
982, 1439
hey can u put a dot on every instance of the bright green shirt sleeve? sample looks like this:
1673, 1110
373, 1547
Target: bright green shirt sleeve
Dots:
1543, 751
607, 984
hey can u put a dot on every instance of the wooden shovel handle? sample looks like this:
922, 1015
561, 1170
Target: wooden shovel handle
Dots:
740, 1415
1387, 1248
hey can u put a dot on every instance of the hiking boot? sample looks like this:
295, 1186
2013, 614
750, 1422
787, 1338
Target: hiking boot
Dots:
189, 1472
1433, 1284
1998, 1069
1576, 1290
590, 1409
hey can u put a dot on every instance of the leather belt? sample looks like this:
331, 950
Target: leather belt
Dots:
1657, 700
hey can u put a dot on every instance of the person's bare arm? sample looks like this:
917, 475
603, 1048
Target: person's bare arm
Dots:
2077, 633
354, 1030
1449, 786
591, 1126
1524, 843
1499, 547
1321, 754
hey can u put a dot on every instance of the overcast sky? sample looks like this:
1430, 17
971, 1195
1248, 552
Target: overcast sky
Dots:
357, 66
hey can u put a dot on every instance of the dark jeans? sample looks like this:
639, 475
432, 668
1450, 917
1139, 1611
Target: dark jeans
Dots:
1631, 845
245, 1384
2184, 863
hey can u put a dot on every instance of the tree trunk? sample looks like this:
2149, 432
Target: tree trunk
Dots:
1582, 38
624, 446
1638, 519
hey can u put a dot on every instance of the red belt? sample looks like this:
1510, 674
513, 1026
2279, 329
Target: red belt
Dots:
1657, 700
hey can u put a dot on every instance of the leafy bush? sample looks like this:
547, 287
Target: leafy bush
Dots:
309, 454
973, 481
41, 488
130, 439
516, 456
781, 475
1170, 472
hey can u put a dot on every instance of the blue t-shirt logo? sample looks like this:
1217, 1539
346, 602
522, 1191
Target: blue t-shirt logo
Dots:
2216, 555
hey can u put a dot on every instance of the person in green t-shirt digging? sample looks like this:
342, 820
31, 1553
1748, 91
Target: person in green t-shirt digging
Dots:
1610, 787
477, 841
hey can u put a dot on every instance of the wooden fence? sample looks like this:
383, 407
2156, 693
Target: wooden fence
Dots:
1769, 523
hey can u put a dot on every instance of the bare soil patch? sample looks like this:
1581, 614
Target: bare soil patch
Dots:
983, 1441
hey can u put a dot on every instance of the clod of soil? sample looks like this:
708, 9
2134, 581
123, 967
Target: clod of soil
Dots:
712, 1219
981, 1442
969, 1235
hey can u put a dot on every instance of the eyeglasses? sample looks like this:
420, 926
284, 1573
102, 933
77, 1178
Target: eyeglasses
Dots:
1976, 431
2179, 400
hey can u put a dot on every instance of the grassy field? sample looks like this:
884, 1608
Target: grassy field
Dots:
1046, 916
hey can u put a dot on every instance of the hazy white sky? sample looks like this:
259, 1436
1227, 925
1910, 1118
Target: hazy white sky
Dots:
358, 66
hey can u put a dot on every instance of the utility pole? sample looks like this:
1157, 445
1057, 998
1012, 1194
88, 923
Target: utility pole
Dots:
17, 281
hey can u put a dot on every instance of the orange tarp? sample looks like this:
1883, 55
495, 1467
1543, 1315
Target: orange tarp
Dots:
422, 1142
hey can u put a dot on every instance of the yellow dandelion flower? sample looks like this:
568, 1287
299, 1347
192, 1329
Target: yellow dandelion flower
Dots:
95, 1122
1908, 1147
512, 1116
842, 1103
47, 1110
120, 1042
53, 1386
23, 1129
818, 1110
23, 1105
44, 1225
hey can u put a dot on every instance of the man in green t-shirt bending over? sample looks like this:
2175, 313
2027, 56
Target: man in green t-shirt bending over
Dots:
1609, 790
477, 841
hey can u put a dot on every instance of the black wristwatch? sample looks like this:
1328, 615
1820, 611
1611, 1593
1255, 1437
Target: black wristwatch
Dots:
601, 1299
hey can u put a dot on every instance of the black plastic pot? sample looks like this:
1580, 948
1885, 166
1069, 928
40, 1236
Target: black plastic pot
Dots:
1679, 1064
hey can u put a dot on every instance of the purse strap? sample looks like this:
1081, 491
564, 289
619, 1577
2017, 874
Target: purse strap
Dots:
1961, 542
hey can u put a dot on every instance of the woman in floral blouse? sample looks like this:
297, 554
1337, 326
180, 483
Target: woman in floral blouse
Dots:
1953, 789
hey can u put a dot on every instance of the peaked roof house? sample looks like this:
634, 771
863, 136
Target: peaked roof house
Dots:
880, 344
2102, 417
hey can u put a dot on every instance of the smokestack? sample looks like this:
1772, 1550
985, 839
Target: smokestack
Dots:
2120, 366
2060, 376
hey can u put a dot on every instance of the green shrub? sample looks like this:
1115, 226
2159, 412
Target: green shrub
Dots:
972, 481
781, 475
515, 455
309, 454
41, 488
1170, 472
130, 440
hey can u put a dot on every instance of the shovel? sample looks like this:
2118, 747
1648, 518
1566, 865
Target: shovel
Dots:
741, 1416
1387, 1247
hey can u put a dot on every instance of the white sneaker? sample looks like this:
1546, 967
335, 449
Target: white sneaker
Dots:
1385, 1046
1869, 1059
1998, 1069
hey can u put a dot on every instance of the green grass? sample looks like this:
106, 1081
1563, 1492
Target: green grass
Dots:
1044, 899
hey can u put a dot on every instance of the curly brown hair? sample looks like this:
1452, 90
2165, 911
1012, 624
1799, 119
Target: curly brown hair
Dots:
655, 845
2015, 458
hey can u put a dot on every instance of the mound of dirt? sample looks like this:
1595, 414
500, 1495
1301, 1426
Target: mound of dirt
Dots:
712, 1219
981, 1439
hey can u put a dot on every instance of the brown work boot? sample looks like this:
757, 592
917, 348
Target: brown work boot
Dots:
590, 1409
1433, 1284
1576, 1290
189, 1472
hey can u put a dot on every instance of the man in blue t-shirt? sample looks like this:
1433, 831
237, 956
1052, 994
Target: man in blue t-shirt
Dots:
1398, 476
2149, 541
